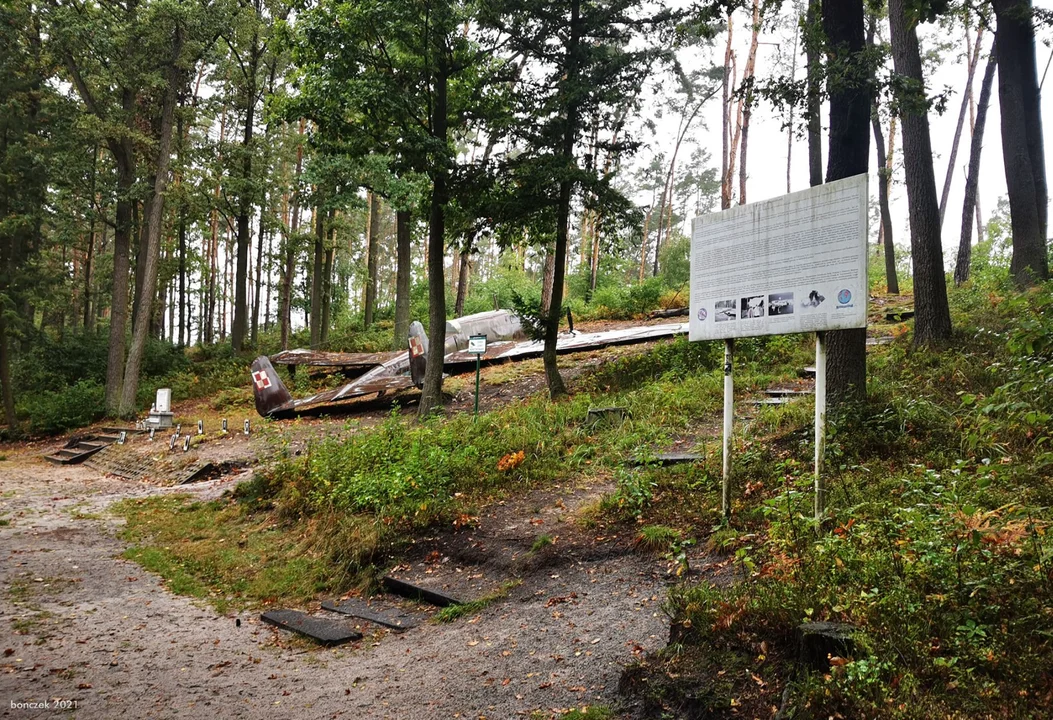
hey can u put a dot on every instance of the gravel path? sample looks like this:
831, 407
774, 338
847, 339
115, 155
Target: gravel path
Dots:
95, 636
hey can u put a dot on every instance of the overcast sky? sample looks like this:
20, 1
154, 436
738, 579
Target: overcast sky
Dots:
767, 141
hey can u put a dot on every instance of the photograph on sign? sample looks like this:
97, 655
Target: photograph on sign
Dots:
795, 263
477, 344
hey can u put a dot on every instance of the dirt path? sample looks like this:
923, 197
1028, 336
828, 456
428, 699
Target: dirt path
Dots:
82, 627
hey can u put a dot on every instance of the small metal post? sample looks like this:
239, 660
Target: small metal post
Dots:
200, 427
729, 416
224, 424
152, 434
246, 427
186, 443
478, 364
121, 437
172, 441
820, 423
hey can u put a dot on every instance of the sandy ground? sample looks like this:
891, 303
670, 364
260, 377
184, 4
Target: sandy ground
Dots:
87, 634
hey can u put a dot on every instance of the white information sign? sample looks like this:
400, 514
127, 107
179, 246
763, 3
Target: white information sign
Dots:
477, 344
796, 263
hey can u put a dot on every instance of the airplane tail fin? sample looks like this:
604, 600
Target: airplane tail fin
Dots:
418, 352
268, 389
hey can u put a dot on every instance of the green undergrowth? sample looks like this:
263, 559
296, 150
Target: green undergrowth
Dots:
232, 557
935, 544
330, 510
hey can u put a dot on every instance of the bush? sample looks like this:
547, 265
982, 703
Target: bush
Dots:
56, 411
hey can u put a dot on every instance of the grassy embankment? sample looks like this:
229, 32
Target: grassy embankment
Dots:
934, 547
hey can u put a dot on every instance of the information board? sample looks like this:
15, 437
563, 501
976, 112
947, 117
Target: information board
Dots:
796, 263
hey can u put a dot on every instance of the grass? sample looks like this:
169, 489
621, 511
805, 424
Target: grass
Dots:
935, 545
541, 542
656, 538
474, 607
231, 558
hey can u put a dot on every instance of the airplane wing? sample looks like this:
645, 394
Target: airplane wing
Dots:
568, 343
345, 361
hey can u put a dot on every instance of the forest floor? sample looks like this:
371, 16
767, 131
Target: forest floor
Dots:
87, 633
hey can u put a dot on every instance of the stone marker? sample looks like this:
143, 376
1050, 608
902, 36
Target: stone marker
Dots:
415, 592
817, 641
361, 609
674, 458
324, 632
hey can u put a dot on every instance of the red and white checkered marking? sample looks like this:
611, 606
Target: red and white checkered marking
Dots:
416, 347
261, 379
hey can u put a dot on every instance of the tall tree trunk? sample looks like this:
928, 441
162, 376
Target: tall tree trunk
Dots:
254, 334
5, 377
972, 60
372, 248
849, 148
932, 319
884, 178
747, 78
548, 275
290, 245
327, 281
142, 321
556, 388
813, 36
644, 244
143, 230
725, 138
1022, 151
431, 393
972, 180
121, 266
184, 311
790, 109
240, 324
402, 279
462, 284
317, 275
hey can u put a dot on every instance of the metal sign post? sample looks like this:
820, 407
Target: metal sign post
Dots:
729, 415
791, 264
820, 423
477, 347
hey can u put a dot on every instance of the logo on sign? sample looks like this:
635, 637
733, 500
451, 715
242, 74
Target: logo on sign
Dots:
702, 314
844, 296
416, 347
260, 378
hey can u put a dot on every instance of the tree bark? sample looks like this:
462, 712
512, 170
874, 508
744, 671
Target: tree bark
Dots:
725, 137
884, 178
240, 324
290, 246
962, 265
973, 58
141, 330
121, 265
1022, 151
372, 248
402, 279
812, 47
849, 149
462, 285
747, 76
431, 393
254, 334
932, 319
572, 119
316, 277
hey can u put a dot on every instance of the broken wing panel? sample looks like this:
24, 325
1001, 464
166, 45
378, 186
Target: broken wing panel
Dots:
572, 343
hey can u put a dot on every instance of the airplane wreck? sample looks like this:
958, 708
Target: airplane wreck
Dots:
390, 374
